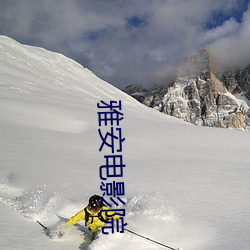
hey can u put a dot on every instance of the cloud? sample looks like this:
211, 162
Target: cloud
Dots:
233, 49
228, 28
121, 41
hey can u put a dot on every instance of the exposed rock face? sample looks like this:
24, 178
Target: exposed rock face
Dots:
237, 81
137, 91
199, 97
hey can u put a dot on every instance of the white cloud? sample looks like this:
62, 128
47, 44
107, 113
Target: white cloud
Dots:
233, 50
97, 32
228, 28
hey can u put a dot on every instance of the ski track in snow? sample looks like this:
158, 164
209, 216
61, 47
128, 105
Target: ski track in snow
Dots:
145, 214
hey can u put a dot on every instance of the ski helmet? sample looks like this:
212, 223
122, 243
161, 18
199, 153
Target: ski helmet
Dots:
95, 202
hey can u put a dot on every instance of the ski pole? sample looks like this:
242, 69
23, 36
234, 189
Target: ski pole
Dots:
151, 240
45, 228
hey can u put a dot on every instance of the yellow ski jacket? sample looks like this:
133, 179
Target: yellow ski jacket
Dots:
93, 222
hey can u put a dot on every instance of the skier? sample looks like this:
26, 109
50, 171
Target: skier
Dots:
94, 214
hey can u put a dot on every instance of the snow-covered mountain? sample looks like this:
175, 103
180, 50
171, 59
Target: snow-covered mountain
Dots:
237, 81
201, 95
186, 186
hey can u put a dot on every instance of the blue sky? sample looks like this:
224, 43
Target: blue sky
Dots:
218, 17
131, 41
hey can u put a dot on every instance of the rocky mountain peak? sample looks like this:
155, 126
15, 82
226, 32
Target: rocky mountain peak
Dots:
197, 64
200, 96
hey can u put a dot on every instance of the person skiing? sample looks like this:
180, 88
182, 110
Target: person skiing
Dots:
94, 214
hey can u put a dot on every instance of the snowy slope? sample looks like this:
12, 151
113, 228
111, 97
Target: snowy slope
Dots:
186, 186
